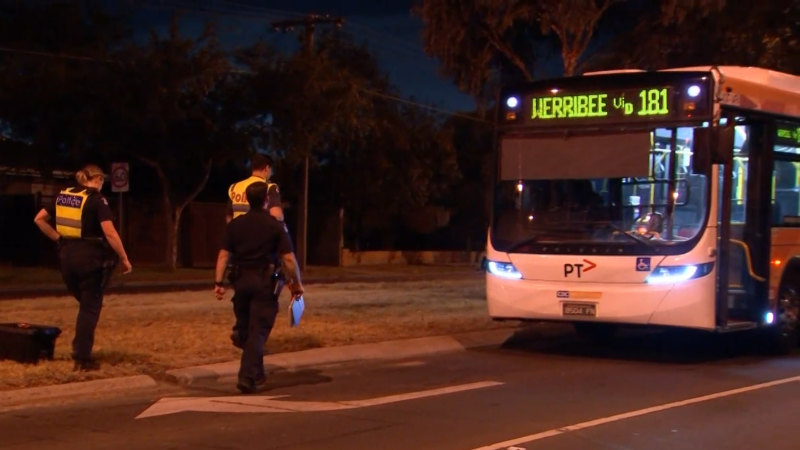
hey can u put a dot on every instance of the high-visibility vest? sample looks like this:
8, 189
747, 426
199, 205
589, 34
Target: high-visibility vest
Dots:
238, 197
69, 210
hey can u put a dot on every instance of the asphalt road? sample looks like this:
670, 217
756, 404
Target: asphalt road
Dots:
542, 389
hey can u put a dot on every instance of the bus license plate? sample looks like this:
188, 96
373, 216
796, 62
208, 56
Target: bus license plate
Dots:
579, 309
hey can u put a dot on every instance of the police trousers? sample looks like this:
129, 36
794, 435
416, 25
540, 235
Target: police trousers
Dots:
255, 305
85, 267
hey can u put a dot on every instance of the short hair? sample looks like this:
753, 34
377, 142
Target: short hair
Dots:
260, 161
256, 195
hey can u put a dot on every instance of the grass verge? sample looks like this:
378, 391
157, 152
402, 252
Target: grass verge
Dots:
152, 333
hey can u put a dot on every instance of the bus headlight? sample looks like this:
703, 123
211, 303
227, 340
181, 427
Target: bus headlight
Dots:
504, 270
678, 274
512, 102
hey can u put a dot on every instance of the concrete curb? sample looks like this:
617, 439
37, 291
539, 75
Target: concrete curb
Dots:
28, 396
387, 350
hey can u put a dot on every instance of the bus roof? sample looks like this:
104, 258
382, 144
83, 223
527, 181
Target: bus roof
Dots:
753, 88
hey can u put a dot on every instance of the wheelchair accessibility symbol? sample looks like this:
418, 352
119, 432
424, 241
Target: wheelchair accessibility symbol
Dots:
643, 264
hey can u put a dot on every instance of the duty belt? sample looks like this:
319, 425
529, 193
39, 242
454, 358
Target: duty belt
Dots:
256, 267
78, 239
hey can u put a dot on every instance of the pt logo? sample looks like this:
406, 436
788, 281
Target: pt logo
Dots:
578, 269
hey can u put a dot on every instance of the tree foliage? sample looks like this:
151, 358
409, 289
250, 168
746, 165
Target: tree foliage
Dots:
52, 63
72, 92
574, 23
481, 42
473, 38
77, 88
716, 32
333, 104
476, 39
168, 112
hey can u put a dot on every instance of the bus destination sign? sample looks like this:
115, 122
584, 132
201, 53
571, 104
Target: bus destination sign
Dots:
599, 100
788, 134
645, 102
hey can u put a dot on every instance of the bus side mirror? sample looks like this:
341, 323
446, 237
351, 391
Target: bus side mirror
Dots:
711, 145
701, 150
722, 152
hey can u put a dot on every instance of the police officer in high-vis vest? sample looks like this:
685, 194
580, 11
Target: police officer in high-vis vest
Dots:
261, 166
89, 249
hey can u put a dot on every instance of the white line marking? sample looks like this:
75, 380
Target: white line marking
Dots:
628, 415
271, 404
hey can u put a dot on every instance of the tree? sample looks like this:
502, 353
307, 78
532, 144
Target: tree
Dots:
503, 41
472, 207
54, 58
717, 32
394, 179
387, 163
474, 39
169, 112
310, 96
337, 107
574, 22
477, 39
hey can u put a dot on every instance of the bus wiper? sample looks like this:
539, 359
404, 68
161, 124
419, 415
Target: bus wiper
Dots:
522, 243
630, 234
536, 239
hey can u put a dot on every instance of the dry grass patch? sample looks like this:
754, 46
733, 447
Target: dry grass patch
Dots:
152, 333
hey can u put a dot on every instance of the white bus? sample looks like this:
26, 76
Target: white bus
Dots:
668, 198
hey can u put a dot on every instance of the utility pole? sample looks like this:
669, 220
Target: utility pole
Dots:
309, 23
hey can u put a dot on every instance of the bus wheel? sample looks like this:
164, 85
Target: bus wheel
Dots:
596, 332
785, 335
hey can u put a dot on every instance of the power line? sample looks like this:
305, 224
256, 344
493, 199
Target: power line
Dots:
405, 49
399, 43
247, 72
399, 46
425, 106
258, 13
54, 55
235, 71
283, 13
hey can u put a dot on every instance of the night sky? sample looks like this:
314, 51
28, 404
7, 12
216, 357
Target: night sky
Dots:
387, 27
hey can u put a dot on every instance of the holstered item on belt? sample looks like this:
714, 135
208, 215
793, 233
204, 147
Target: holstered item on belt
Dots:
110, 261
269, 272
231, 273
277, 282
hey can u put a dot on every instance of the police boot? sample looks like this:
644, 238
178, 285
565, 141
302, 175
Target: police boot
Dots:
86, 365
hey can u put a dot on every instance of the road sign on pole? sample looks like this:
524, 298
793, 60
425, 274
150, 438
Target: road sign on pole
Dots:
120, 182
120, 177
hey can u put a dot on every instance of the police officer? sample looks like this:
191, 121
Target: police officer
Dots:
259, 244
261, 171
261, 166
89, 249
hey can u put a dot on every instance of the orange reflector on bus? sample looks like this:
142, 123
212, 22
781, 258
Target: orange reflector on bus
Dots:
776, 262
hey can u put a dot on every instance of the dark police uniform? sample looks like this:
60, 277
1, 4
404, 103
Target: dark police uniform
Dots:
86, 258
255, 241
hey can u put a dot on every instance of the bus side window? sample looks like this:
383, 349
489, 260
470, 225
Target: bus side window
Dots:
786, 192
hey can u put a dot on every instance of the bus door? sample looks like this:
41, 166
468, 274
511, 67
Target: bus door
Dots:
746, 191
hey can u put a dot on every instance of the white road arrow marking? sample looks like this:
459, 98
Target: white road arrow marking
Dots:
270, 404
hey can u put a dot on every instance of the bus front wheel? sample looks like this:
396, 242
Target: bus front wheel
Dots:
785, 335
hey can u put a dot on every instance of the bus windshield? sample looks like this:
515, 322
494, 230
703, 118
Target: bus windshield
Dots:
656, 202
